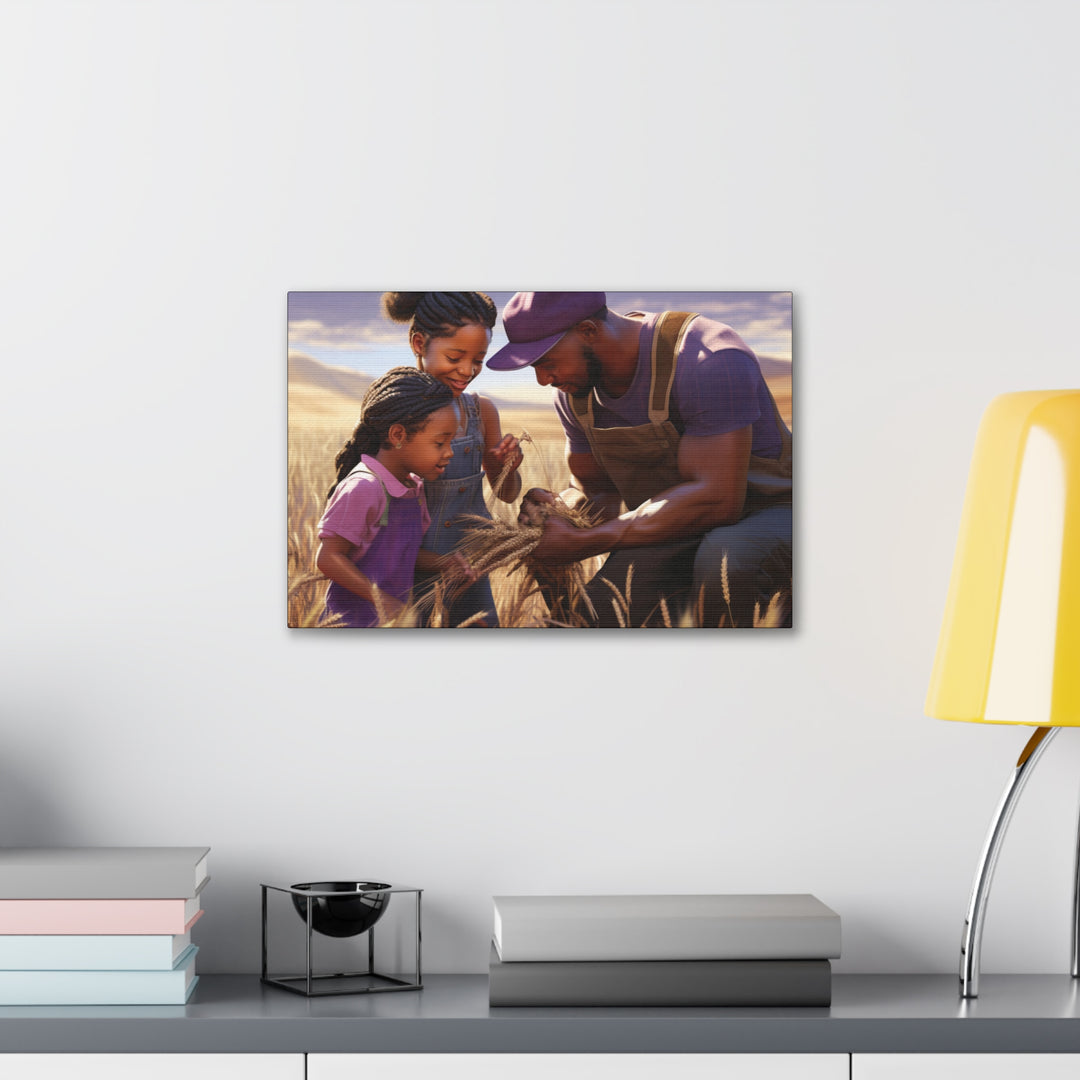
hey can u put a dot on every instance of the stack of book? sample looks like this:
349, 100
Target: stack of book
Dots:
746, 950
99, 926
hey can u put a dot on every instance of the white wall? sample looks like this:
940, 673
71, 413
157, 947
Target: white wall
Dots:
908, 169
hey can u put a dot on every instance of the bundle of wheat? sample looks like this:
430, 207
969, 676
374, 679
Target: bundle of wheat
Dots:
493, 545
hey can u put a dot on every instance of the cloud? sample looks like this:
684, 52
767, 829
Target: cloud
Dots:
317, 334
345, 321
739, 309
770, 326
756, 310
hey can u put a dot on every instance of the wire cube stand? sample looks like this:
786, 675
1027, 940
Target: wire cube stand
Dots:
310, 984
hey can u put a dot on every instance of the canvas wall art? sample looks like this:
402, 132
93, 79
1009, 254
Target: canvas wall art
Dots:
540, 460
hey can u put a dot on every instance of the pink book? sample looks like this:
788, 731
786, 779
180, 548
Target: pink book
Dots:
98, 916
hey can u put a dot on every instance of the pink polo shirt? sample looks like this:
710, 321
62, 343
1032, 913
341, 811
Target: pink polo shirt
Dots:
357, 505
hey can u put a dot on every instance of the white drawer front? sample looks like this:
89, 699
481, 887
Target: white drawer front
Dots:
578, 1066
965, 1067
152, 1066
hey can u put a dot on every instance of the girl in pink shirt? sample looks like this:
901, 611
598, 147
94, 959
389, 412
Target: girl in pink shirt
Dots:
375, 515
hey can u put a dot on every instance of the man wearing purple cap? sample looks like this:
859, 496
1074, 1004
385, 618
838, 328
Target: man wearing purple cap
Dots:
669, 415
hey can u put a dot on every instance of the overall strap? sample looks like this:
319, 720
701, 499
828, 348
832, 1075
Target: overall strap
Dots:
384, 518
667, 340
581, 405
668, 335
472, 412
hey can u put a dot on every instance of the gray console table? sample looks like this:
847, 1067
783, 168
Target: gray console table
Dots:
872, 1014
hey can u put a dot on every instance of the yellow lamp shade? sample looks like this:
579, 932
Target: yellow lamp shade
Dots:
1009, 650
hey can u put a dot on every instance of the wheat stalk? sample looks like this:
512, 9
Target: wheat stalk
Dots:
726, 590
508, 464
774, 613
306, 600
621, 600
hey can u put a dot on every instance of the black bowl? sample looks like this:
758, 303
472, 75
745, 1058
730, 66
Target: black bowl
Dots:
346, 915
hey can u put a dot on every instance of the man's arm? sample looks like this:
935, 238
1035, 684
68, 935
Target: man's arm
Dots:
714, 469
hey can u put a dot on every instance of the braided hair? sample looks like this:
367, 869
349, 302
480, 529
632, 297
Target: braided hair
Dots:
403, 396
439, 314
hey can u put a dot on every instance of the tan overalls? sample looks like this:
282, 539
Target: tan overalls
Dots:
642, 462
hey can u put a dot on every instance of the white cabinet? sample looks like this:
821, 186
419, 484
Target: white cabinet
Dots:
152, 1066
578, 1066
965, 1066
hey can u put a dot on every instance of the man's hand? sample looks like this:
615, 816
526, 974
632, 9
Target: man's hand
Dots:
535, 506
561, 542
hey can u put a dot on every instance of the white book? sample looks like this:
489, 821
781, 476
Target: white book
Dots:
91, 952
102, 873
753, 926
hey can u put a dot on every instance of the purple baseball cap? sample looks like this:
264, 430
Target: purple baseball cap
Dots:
535, 321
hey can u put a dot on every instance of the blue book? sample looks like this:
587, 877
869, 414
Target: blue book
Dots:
172, 987
91, 952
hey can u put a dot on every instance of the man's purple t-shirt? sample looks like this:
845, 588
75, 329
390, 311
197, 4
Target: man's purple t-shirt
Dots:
718, 388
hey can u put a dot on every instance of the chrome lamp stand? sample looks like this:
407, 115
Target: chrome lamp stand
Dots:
971, 943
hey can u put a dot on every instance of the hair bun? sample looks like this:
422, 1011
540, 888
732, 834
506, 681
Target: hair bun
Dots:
401, 306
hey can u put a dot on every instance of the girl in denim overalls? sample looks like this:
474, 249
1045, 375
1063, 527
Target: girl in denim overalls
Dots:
449, 333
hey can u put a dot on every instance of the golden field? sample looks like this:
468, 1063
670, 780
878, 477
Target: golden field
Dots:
314, 439
322, 414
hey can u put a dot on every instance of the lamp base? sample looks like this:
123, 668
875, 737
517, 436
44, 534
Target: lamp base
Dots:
971, 943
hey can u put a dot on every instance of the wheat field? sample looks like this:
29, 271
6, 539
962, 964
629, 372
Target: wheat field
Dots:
313, 442
319, 425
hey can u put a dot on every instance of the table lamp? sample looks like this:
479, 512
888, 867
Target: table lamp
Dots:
1009, 650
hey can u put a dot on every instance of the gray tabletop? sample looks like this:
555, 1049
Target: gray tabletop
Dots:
869, 1014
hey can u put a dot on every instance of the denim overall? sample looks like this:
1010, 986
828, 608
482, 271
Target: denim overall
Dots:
460, 490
